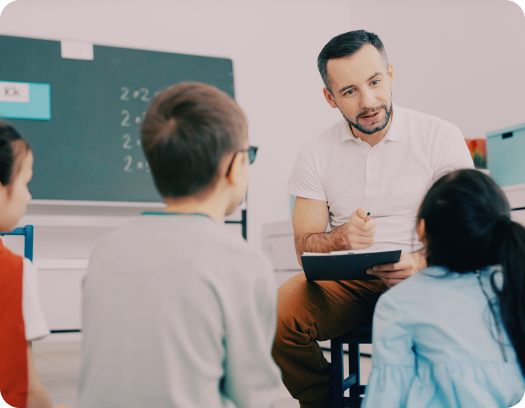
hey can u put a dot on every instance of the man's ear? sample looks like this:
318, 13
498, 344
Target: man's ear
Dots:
420, 229
391, 75
237, 168
329, 97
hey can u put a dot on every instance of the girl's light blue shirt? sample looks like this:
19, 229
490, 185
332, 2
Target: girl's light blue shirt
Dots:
436, 345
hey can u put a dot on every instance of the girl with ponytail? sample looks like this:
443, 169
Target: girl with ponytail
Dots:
21, 316
453, 335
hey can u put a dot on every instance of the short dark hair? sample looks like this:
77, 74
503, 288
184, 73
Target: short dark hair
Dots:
186, 132
345, 45
12, 147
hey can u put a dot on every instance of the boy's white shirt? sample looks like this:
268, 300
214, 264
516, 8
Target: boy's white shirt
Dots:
34, 320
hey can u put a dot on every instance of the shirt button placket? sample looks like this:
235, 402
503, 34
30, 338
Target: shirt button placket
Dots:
371, 172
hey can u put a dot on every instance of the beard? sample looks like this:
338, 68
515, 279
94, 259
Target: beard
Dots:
376, 127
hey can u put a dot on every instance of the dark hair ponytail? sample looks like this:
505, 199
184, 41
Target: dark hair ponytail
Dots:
471, 202
11, 146
512, 294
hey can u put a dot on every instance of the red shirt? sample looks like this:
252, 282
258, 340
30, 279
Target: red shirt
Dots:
13, 346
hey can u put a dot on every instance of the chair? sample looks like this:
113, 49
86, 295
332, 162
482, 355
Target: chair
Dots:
339, 383
27, 231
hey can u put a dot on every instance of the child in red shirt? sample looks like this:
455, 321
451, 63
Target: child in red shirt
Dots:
21, 317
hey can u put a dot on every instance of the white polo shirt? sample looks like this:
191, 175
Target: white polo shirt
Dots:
390, 179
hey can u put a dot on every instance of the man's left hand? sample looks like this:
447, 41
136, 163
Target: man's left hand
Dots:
392, 274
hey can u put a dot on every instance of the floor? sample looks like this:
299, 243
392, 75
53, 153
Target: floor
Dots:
58, 364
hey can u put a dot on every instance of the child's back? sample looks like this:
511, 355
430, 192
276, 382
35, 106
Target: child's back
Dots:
436, 345
178, 310
452, 336
177, 307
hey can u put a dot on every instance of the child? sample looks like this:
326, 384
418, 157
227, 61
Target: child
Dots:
178, 310
21, 317
454, 334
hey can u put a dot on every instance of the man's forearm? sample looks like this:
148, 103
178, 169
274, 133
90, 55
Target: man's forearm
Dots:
323, 242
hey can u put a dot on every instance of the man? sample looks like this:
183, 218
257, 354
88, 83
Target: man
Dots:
179, 311
381, 159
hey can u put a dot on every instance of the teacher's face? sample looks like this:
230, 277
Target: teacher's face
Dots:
361, 87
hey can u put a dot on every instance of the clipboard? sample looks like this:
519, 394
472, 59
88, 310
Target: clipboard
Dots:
345, 267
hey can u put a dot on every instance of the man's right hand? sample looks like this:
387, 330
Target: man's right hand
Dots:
310, 219
356, 233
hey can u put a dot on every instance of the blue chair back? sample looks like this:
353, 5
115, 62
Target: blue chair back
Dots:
27, 232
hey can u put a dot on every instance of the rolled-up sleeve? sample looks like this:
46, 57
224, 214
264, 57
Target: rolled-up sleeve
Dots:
306, 179
394, 366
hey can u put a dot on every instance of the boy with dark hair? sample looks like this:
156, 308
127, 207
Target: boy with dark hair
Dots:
178, 310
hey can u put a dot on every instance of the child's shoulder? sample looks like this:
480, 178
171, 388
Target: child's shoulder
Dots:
429, 282
178, 240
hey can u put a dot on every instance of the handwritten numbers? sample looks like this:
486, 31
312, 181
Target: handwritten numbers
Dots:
124, 96
142, 94
146, 93
127, 139
131, 117
125, 121
128, 161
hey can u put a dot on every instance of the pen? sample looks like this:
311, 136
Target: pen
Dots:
367, 215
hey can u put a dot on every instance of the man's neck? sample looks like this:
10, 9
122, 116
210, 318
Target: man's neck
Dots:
374, 138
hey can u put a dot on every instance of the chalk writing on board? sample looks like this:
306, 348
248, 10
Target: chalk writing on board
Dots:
134, 158
142, 94
124, 96
128, 161
126, 144
125, 121
145, 94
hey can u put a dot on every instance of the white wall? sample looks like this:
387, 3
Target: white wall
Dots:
460, 60
273, 44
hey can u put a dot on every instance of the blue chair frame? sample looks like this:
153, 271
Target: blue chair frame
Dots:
339, 383
27, 232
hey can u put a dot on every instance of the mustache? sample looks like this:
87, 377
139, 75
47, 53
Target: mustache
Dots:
370, 111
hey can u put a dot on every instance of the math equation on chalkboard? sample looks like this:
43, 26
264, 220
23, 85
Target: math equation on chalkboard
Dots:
135, 102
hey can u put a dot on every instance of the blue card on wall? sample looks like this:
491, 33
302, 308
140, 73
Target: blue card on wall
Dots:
25, 100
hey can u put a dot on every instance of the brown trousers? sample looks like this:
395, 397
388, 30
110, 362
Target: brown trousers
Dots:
308, 311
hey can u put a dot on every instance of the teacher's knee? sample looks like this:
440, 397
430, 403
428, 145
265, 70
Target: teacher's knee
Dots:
290, 306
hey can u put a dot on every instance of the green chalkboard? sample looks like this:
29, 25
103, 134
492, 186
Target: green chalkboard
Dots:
90, 148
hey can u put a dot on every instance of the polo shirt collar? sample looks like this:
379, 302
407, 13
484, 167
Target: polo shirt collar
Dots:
395, 131
397, 127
